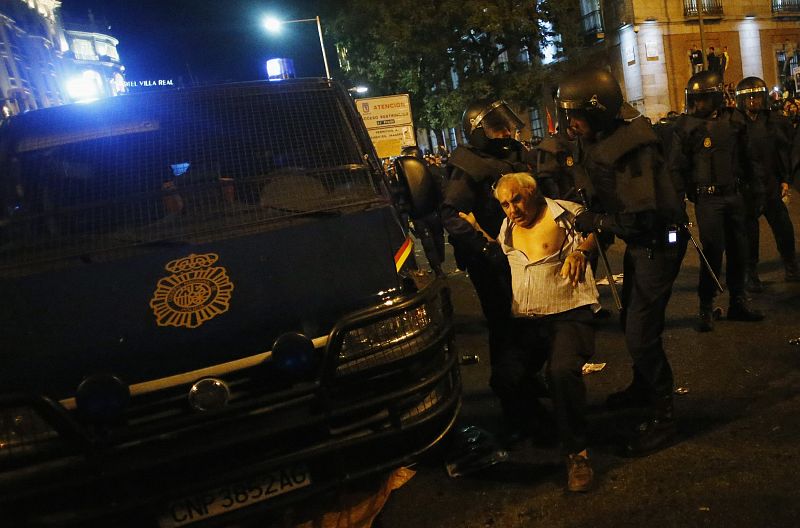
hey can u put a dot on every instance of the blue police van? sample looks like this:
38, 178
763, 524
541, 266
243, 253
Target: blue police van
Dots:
210, 308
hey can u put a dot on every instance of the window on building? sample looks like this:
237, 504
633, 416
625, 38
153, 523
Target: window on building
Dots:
788, 70
537, 127
502, 61
9, 68
453, 139
106, 49
83, 49
591, 23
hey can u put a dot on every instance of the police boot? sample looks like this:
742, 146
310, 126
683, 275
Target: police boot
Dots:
739, 310
753, 283
792, 272
655, 433
634, 395
705, 319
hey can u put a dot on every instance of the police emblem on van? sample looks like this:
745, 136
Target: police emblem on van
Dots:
196, 292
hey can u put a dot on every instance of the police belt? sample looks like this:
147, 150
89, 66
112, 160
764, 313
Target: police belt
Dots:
717, 190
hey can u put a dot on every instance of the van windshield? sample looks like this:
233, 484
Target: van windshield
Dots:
179, 167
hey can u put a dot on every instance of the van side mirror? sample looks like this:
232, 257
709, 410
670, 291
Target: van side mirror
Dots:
417, 186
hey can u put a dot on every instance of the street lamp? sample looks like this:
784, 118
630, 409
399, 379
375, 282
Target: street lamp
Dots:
273, 25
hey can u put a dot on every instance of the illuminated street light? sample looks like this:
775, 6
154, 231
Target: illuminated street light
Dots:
358, 89
273, 25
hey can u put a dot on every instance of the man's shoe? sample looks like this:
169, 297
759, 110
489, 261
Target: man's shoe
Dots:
580, 475
630, 397
739, 310
651, 435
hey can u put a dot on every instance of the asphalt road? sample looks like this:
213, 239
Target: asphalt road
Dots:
739, 425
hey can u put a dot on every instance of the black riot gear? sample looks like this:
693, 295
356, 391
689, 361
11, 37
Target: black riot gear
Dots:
704, 85
629, 195
472, 172
710, 155
751, 87
594, 93
490, 114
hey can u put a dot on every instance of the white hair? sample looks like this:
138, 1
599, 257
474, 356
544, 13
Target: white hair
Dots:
524, 179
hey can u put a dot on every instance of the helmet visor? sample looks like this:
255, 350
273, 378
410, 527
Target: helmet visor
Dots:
498, 116
756, 90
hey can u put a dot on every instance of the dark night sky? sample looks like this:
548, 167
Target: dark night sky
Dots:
215, 40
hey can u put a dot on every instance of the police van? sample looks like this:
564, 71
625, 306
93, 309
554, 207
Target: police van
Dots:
210, 308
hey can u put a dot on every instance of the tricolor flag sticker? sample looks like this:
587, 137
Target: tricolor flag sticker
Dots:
402, 254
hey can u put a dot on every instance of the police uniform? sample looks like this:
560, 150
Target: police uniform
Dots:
769, 138
620, 169
710, 155
626, 182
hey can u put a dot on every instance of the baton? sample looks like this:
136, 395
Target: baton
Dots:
703, 258
609, 273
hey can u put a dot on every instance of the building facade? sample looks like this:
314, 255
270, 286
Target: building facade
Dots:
92, 60
45, 63
648, 44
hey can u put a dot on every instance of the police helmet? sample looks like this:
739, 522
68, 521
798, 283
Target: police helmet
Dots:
488, 113
412, 150
751, 87
705, 84
594, 94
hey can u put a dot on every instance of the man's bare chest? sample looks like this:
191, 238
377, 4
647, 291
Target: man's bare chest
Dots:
540, 240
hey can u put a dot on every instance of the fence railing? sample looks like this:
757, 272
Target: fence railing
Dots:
709, 7
786, 6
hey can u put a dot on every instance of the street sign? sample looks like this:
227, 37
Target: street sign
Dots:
389, 123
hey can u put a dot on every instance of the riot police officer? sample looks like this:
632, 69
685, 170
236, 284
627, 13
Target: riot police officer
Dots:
551, 174
473, 169
710, 153
769, 138
619, 168
553, 177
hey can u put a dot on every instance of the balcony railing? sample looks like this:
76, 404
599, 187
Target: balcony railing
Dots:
786, 7
710, 7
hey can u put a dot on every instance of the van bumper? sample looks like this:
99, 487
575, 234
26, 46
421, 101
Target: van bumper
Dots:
346, 424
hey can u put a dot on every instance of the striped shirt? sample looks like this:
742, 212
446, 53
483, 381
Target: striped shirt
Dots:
538, 288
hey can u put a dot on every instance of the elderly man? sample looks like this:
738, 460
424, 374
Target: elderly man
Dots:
553, 298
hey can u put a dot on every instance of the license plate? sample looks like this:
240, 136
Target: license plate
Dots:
233, 497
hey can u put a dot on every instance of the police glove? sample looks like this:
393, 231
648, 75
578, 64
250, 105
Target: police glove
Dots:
588, 222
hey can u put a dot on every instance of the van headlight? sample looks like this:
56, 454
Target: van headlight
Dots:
23, 431
397, 336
